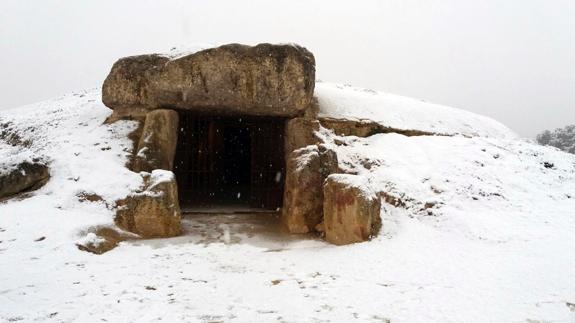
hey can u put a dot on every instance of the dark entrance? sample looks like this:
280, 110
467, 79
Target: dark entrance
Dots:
235, 162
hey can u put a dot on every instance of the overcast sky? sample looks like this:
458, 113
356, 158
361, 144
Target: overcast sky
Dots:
513, 60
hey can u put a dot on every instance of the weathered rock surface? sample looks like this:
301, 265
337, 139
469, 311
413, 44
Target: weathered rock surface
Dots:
102, 240
329, 162
303, 196
25, 176
300, 133
154, 211
351, 127
366, 128
127, 84
273, 80
350, 213
158, 140
130, 113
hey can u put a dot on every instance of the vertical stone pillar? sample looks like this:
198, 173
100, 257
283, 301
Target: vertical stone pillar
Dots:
351, 214
157, 144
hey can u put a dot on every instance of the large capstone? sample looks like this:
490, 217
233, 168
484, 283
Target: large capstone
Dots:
271, 80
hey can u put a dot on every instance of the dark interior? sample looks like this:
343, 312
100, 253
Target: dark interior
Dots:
231, 161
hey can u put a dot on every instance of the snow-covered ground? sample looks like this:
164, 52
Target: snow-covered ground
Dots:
486, 233
346, 102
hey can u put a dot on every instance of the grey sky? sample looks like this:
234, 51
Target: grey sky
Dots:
513, 60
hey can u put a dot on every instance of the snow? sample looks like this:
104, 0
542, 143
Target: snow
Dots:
90, 239
184, 50
362, 183
306, 154
346, 102
13, 156
484, 231
159, 176
84, 155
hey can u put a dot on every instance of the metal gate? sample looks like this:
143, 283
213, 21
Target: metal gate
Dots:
201, 166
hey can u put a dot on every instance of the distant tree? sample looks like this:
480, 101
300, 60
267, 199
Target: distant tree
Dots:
562, 138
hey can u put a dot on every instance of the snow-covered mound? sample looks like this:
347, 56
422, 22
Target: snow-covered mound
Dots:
346, 102
85, 156
484, 231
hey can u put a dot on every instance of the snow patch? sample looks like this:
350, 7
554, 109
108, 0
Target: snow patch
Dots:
91, 239
159, 176
185, 50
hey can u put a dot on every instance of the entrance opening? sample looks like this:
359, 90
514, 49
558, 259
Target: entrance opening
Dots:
236, 166
232, 163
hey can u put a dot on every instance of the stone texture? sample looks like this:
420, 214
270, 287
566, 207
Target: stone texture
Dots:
133, 113
128, 82
271, 80
26, 176
158, 141
328, 161
350, 213
351, 127
366, 128
299, 133
153, 211
303, 194
102, 240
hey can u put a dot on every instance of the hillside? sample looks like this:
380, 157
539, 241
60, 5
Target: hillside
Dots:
398, 112
481, 228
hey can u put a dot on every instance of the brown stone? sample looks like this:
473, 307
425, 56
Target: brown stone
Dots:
131, 113
328, 161
343, 127
127, 84
303, 195
366, 128
299, 133
25, 176
101, 240
350, 213
158, 140
271, 80
153, 211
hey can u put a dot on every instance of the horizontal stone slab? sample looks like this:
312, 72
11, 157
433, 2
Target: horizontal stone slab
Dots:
268, 80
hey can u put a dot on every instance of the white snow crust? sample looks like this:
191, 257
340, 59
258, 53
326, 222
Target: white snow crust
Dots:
346, 102
485, 233
184, 50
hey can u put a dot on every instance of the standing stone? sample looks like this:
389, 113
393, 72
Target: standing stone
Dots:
158, 141
351, 214
154, 211
306, 171
300, 133
303, 194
